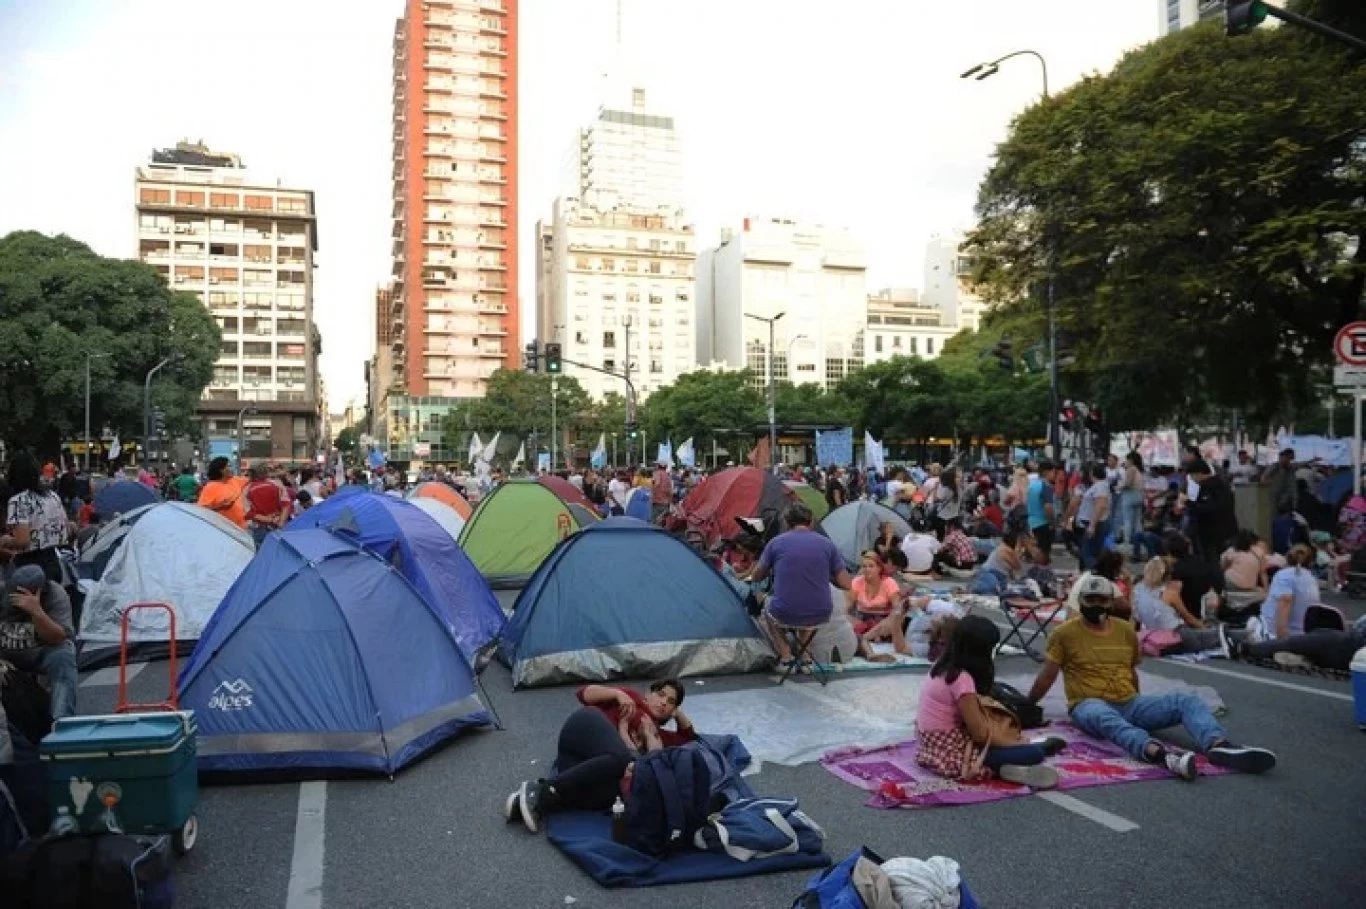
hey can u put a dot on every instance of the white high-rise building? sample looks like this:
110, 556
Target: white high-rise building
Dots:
948, 282
1174, 15
614, 284
629, 157
245, 246
900, 325
815, 276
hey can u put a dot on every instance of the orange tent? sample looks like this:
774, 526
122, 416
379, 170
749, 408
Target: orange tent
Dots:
434, 489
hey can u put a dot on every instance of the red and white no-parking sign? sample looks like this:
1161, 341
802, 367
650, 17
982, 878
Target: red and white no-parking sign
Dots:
1350, 344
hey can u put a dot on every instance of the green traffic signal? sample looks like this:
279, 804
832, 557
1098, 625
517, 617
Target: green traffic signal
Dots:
552, 359
1242, 16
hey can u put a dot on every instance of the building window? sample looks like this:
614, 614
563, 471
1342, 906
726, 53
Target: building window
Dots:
260, 203
609, 339
877, 343
654, 267
154, 196
224, 200
913, 346
580, 337
609, 365
896, 343
185, 197
929, 345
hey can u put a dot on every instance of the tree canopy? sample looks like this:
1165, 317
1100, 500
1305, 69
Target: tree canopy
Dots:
60, 300
518, 403
1201, 208
704, 406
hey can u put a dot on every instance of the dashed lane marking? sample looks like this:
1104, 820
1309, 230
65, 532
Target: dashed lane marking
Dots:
306, 868
1090, 812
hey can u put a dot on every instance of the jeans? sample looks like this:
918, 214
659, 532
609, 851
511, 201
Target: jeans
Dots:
259, 532
1322, 647
1019, 755
1144, 541
1131, 514
591, 760
1093, 544
58, 663
1128, 724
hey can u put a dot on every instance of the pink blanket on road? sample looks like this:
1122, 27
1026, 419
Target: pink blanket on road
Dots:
894, 778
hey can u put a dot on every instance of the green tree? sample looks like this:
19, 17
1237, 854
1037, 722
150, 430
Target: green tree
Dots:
810, 403
1202, 210
703, 406
517, 404
348, 441
58, 301
901, 398
988, 400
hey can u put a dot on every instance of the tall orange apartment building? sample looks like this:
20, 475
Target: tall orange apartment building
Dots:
454, 300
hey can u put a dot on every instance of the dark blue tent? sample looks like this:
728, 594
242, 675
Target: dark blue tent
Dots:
623, 599
323, 657
121, 497
406, 536
638, 505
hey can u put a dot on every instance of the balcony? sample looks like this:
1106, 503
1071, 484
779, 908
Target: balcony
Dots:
493, 50
491, 308
492, 91
492, 156
437, 330
492, 219
493, 266
498, 352
492, 243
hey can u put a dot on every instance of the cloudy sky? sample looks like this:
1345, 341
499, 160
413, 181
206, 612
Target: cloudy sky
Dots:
846, 113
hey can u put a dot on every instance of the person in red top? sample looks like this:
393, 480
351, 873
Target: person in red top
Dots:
661, 493
266, 505
597, 749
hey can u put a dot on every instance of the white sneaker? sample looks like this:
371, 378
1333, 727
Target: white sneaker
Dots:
1182, 764
1291, 660
1256, 631
1036, 776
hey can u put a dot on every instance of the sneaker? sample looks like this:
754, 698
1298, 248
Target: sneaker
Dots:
1241, 758
510, 807
1227, 645
1291, 660
1036, 777
1182, 764
529, 799
1050, 745
1256, 632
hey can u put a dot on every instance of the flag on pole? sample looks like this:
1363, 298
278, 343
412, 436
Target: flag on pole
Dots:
491, 449
599, 457
475, 447
339, 473
873, 454
687, 456
521, 456
665, 453
115, 449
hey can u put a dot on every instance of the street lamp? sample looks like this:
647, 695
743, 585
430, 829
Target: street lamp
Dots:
630, 391
983, 71
554, 442
772, 394
249, 409
88, 356
147, 401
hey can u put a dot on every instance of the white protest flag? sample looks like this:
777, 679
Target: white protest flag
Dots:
475, 447
521, 456
686, 455
873, 455
115, 449
491, 449
598, 459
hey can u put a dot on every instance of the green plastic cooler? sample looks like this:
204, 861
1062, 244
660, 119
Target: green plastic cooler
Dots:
140, 765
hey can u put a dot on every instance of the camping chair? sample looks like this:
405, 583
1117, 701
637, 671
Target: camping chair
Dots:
799, 640
482, 657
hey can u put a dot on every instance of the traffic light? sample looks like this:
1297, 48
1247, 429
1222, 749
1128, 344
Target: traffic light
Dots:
632, 431
1095, 422
1003, 354
531, 359
1069, 413
158, 421
1242, 16
1067, 355
552, 359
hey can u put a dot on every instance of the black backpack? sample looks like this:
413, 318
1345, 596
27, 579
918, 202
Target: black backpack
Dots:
27, 704
81, 871
671, 797
1029, 715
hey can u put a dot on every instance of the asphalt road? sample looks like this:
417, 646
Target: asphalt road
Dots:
434, 837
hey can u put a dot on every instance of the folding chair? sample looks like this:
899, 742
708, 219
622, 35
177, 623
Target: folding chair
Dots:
1020, 611
799, 640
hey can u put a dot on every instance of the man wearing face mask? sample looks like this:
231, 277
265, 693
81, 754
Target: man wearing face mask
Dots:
1098, 657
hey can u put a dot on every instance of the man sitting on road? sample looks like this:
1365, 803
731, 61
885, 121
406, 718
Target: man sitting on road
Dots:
36, 634
803, 565
1098, 657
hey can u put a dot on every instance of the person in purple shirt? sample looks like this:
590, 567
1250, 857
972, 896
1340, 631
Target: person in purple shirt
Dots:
803, 565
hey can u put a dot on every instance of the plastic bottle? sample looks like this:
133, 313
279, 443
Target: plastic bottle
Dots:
63, 824
1359, 687
618, 820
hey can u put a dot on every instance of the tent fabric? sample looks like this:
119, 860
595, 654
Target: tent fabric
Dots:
321, 658
121, 497
584, 516
170, 552
811, 497
638, 505
623, 599
443, 514
855, 527
444, 493
567, 491
737, 492
513, 530
411, 540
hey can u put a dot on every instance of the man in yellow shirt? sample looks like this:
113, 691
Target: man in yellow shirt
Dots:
1098, 656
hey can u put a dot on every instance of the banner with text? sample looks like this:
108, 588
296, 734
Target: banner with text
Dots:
835, 446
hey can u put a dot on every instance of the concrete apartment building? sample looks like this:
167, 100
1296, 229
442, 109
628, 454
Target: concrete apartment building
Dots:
615, 262
454, 313
245, 246
900, 325
948, 282
815, 276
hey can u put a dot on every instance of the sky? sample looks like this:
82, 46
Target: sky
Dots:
851, 114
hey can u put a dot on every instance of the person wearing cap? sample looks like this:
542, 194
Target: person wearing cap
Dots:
36, 634
1098, 658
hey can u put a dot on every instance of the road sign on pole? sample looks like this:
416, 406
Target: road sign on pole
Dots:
1349, 347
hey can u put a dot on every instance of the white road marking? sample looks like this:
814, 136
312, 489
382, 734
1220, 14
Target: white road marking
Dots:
1249, 677
1090, 812
306, 868
109, 675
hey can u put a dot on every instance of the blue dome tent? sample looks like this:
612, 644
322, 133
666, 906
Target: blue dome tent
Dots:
418, 546
638, 505
623, 599
121, 497
322, 657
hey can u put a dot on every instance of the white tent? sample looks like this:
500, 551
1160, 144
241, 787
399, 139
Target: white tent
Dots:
443, 514
170, 552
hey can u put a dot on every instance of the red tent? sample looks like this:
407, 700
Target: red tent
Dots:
738, 492
569, 493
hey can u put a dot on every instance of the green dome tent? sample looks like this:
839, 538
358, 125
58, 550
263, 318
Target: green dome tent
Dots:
810, 496
512, 531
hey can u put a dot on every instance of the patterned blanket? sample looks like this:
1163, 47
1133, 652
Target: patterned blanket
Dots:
895, 780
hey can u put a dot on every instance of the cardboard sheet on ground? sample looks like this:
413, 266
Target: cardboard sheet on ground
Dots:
800, 721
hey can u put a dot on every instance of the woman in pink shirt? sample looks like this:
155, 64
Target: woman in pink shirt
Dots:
951, 726
872, 595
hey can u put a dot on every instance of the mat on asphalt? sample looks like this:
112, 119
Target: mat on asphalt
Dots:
895, 780
800, 721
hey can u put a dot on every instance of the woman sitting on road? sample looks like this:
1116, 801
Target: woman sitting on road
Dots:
597, 748
1244, 570
872, 596
1293, 590
951, 725
1158, 607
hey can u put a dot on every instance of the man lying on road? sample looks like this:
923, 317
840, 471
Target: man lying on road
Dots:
1098, 657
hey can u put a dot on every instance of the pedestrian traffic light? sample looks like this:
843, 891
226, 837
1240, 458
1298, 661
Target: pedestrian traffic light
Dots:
552, 359
531, 358
632, 431
1003, 354
1242, 16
